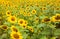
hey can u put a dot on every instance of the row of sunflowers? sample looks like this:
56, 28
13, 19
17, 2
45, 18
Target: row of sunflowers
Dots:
29, 19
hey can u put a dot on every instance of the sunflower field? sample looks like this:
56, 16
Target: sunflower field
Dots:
29, 19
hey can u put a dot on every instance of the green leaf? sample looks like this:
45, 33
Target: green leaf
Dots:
57, 32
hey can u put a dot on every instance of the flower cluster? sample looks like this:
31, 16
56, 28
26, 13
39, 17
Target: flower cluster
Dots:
29, 19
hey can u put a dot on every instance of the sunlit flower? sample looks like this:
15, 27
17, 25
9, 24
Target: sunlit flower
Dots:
21, 22
29, 18
36, 19
3, 2
29, 14
8, 13
53, 19
57, 8
12, 19
33, 12
25, 22
24, 26
46, 20
15, 35
56, 18
44, 8
4, 27
27, 8
25, 14
30, 28
13, 28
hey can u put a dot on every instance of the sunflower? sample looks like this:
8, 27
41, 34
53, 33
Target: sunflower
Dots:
44, 8
4, 27
57, 8
36, 19
46, 20
13, 28
25, 22
30, 28
15, 35
12, 19
21, 22
55, 18
25, 14
33, 11
29, 14
8, 13
27, 8
24, 26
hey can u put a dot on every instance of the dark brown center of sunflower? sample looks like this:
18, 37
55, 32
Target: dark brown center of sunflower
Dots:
33, 11
4, 27
37, 19
24, 26
21, 22
13, 19
28, 14
14, 29
31, 29
8, 13
57, 17
44, 8
57, 8
16, 36
27, 8
46, 19
27, 5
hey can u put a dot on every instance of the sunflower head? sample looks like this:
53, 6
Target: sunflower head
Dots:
30, 29
25, 14
27, 8
12, 19
21, 22
56, 18
29, 14
15, 35
57, 8
44, 8
13, 28
53, 19
8, 13
46, 20
4, 27
25, 22
36, 19
33, 11
24, 26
